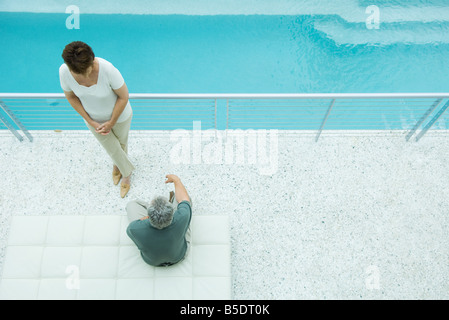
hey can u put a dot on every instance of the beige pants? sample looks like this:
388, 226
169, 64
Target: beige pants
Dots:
137, 209
116, 145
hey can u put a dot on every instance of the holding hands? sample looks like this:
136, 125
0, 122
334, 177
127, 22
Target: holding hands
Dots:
103, 128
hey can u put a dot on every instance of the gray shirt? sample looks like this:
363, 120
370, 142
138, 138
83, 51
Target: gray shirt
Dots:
167, 246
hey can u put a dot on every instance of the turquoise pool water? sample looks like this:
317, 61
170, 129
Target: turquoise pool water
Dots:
227, 53
208, 54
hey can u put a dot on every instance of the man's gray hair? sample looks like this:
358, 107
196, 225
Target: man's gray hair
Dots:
160, 212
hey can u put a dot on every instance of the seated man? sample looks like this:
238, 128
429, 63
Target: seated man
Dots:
157, 229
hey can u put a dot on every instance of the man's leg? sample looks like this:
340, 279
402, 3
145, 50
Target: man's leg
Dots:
136, 209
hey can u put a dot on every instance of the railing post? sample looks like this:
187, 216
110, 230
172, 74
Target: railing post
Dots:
324, 120
215, 114
16, 121
431, 122
227, 114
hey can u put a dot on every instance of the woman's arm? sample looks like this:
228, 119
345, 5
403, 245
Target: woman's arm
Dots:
120, 105
76, 104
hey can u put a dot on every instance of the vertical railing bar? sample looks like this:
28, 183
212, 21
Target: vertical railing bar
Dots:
424, 117
215, 114
227, 114
324, 120
16, 120
431, 122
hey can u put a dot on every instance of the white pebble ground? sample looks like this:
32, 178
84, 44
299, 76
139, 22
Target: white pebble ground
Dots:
353, 216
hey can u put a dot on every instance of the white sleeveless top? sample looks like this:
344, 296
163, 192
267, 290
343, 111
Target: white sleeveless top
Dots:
98, 100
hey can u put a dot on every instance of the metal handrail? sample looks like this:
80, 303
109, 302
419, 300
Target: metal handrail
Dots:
247, 107
221, 96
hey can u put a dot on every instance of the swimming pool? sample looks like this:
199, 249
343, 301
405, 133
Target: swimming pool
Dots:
205, 54
232, 53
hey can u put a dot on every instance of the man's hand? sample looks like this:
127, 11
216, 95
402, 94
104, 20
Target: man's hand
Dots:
180, 191
172, 178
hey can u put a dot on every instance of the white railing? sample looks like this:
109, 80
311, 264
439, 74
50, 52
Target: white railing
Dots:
302, 111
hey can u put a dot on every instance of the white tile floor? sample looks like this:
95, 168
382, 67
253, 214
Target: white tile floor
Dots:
353, 216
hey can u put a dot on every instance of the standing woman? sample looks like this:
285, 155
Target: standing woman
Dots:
97, 91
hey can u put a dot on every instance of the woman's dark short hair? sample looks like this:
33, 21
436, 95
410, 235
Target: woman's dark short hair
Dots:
78, 56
